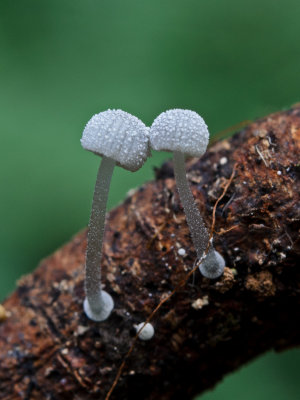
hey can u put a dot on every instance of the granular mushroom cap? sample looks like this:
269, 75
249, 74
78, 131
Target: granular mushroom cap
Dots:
180, 130
118, 135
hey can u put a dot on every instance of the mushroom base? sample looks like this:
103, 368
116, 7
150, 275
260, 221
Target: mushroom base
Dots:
107, 305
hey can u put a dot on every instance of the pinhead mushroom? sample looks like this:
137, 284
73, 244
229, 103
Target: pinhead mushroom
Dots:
145, 331
185, 133
121, 139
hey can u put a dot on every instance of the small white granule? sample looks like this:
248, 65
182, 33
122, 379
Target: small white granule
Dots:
223, 160
199, 303
279, 172
181, 252
147, 332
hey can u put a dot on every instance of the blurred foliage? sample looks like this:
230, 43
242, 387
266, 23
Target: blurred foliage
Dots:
63, 61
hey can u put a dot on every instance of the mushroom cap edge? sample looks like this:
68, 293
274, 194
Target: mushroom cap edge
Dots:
118, 135
180, 130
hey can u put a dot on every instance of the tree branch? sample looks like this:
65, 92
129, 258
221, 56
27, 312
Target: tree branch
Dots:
50, 350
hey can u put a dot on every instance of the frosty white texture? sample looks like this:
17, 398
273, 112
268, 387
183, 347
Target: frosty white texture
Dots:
118, 135
180, 130
213, 265
122, 139
185, 133
95, 305
147, 332
194, 220
106, 305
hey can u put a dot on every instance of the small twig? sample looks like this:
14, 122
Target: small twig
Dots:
228, 203
178, 286
261, 155
270, 141
219, 199
289, 237
223, 231
158, 231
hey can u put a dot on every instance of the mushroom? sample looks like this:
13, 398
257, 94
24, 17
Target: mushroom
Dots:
185, 133
121, 139
145, 331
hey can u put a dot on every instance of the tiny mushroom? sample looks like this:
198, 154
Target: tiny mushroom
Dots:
184, 132
121, 139
145, 331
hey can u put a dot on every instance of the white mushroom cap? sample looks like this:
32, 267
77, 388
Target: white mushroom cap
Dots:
147, 332
180, 130
118, 135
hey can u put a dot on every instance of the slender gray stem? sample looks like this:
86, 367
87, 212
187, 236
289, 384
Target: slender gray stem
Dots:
195, 222
213, 265
94, 293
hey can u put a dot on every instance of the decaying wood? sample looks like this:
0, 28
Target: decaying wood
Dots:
50, 350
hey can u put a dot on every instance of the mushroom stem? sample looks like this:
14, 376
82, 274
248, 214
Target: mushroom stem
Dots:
213, 265
98, 303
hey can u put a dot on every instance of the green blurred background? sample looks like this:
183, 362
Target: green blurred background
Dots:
62, 61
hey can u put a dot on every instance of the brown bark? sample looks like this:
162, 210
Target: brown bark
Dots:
50, 350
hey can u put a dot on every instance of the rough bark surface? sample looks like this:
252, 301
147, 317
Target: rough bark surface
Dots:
50, 350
